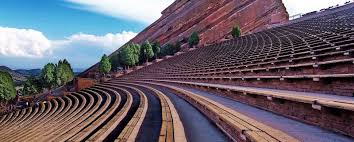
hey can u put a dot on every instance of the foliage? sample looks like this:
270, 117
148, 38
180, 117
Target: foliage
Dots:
63, 72
177, 47
236, 32
146, 51
115, 61
136, 52
156, 48
69, 72
167, 50
127, 56
7, 87
170, 49
105, 64
32, 86
193, 40
55, 75
48, 75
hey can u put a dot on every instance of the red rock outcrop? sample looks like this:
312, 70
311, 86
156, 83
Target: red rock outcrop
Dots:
212, 19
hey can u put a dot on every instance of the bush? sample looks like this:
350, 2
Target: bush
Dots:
167, 50
236, 31
193, 40
177, 47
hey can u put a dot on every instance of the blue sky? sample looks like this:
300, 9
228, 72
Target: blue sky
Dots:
57, 19
34, 32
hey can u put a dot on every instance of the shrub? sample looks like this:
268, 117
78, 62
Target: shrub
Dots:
193, 40
236, 31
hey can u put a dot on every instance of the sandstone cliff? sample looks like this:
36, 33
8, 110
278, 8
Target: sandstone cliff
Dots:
212, 19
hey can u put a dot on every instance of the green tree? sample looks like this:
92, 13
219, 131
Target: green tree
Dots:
63, 72
236, 31
32, 86
136, 53
127, 56
115, 61
146, 51
7, 87
105, 65
156, 48
69, 72
60, 73
167, 50
193, 40
177, 47
48, 76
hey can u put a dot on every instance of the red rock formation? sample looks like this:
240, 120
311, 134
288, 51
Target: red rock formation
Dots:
212, 19
82, 83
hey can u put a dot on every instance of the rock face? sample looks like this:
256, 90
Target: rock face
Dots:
212, 19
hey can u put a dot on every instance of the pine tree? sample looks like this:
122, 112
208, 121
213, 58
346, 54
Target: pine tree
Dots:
177, 47
147, 51
156, 48
48, 75
193, 40
105, 65
236, 31
136, 52
127, 56
69, 72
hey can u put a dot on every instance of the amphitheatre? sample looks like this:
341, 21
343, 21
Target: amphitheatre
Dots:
281, 80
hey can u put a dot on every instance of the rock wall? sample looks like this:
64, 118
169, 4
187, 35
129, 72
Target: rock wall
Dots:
212, 19
83, 83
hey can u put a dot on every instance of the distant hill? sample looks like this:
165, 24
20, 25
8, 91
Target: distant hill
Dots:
30, 72
4, 68
18, 77
78, 70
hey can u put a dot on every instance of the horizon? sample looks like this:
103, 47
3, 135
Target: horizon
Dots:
33, 33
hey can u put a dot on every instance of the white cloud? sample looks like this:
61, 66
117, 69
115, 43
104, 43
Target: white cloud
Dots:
146, 11
29, 43
23, 42
303, 6
110, 40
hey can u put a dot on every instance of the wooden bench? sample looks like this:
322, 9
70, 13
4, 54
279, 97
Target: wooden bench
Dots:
230, 121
